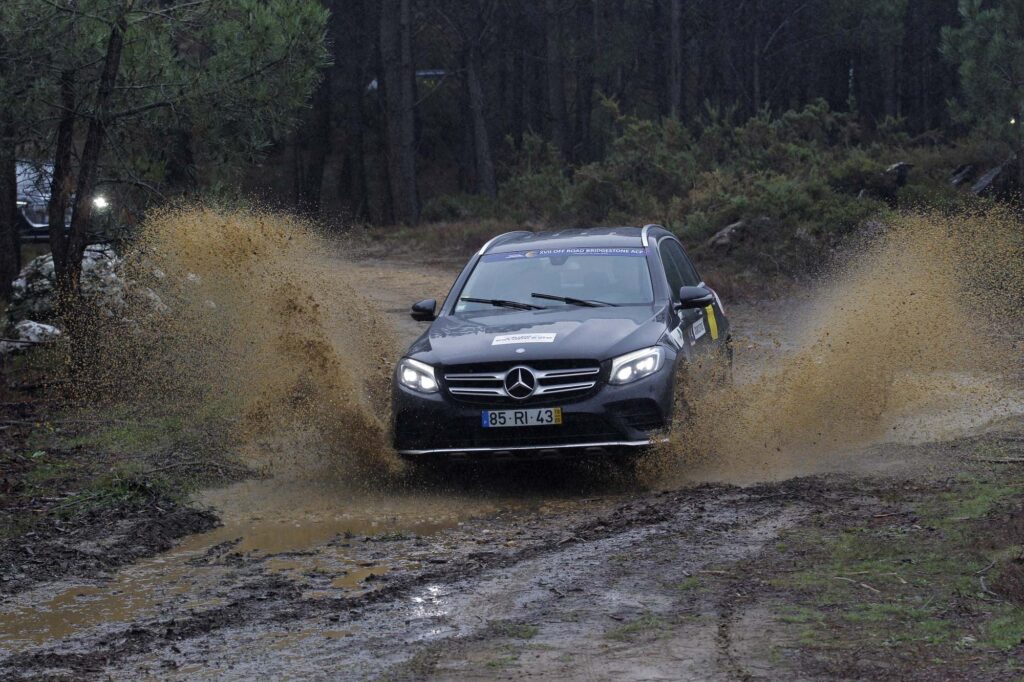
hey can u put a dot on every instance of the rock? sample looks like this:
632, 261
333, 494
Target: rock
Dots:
727, 236
998, 181
962, 174
36, 332
27, 334
900, 171
33, 292
985, 182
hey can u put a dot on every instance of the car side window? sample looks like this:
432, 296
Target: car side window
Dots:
672, 272
687, 272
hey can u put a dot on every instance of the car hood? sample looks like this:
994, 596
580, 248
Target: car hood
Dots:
572, 333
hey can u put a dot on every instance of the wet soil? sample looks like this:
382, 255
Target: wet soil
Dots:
63, 515
580, 573
683, 584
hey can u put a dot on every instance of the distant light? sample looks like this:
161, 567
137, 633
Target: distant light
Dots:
100, 202
1013, 121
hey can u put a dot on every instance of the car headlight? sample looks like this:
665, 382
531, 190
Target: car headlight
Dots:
636, 365
417, 375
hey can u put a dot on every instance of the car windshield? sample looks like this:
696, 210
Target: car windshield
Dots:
602, 276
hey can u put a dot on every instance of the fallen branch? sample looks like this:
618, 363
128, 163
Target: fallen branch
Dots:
985, 570
26, 342
984, 588
1007, 460
898, 577
864, 585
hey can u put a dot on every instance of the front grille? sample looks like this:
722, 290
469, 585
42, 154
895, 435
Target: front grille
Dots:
486, 383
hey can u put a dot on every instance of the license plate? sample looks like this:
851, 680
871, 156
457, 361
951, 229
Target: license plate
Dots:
545, 416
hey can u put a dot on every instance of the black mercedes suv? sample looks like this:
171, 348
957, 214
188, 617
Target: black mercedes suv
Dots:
557, 343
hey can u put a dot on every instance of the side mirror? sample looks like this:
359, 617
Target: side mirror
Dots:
424, 310
695, 297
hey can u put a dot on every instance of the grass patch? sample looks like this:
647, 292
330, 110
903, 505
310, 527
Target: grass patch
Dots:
918, 587
129, 437
388, 537
69, 464
687, 584
1006, 631
646, 625
505, 628
501, 662
123, 485
972, 499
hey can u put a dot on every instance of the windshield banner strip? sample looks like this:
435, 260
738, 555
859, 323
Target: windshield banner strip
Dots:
549, 253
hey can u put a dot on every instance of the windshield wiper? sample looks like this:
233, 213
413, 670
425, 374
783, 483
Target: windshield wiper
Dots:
572, 301
501, 303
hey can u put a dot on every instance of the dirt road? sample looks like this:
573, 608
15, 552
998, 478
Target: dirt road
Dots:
860, 566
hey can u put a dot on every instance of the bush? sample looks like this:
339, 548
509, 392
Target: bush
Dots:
805, 177
536, 188
453, 207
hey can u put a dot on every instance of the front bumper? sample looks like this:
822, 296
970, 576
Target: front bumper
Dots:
611, 418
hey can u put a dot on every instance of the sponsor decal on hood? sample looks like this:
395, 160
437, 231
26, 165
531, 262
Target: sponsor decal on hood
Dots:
506, 339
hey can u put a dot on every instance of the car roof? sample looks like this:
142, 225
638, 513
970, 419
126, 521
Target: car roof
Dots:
567, 239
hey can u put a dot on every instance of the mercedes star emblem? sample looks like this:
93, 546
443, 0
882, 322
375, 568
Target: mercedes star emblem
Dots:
520, 383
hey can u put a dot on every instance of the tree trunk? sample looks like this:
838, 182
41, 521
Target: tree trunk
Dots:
315, 146
1019, 189
481, 138
81, 217
399, 96
756, 59
60, 188
890, 75
351, 54
10, 244
675, 59
587, 37
557, 115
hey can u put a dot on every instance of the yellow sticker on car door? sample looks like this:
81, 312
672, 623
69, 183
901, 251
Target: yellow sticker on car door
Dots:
712, 322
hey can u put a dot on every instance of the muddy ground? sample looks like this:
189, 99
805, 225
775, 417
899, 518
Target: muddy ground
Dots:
901, 559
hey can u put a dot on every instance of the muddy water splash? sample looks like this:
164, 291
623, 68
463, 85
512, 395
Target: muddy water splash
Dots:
248, 321
929, 311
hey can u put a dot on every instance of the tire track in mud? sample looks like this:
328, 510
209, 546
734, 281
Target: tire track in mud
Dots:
724, 638
676, 533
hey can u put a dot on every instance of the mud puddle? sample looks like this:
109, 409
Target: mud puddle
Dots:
552, 591
310, 534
